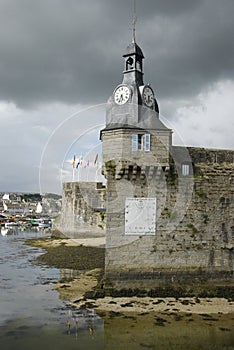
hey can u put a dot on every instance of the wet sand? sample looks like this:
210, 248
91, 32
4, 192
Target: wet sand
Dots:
169, 331
88, 255
69, 242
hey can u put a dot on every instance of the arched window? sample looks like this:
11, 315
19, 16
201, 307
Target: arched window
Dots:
129, 63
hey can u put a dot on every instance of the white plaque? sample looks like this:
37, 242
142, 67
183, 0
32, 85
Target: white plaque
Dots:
140, 216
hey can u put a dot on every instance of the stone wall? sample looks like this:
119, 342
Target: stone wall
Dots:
195, 224
204, 155
83, 210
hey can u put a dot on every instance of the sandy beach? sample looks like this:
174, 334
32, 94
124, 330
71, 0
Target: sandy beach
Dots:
158, 305
70, 242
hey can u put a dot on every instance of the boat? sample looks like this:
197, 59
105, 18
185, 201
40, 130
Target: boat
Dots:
4, 231
11, 224
44, 224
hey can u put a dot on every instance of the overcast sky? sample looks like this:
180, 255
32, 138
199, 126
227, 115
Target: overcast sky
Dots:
60, 57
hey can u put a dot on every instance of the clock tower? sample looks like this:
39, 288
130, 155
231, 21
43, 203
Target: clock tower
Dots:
136, 148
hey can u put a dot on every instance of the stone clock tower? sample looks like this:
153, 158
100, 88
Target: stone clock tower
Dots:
136, 157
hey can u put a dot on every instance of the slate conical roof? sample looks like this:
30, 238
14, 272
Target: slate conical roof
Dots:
133, 49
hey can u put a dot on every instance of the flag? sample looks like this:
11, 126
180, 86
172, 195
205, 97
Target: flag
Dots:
95, 159
81, 159
74, 161
77, 165
86, 164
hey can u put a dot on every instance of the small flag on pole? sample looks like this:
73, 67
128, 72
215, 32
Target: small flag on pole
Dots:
86, 164
81, 159
74, 161
95, 159
77, 165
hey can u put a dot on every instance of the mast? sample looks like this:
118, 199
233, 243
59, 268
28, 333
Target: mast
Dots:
134, 20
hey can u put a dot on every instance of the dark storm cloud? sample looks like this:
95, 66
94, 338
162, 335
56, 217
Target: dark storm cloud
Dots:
70, 51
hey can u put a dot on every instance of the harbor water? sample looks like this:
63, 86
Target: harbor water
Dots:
32, 315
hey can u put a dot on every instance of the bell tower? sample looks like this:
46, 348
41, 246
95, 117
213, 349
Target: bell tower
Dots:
136, 149
134, 131
133, 65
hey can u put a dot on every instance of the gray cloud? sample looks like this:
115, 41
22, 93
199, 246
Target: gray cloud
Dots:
57, 56
70, 51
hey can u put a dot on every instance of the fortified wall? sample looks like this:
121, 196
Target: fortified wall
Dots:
83, 210
210, 210
194, 238
195, 242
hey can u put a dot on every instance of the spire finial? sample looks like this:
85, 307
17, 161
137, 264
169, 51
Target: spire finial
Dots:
134, 20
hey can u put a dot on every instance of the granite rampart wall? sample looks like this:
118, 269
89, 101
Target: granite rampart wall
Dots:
195, 223
83, 210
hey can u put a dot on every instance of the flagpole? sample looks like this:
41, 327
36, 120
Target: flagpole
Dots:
73, 168
88, 173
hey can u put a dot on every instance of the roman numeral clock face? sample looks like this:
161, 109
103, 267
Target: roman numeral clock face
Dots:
148, 96
122, 94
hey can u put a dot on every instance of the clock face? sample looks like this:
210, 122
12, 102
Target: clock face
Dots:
148, 96
122, 94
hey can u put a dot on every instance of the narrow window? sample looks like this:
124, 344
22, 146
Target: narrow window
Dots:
185, 169
147, 142
129, 63
139, 142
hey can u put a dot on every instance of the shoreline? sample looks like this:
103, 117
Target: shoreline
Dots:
75, 289
139, 305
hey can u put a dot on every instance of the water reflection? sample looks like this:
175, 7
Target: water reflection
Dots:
18, 230
4, 231
31, 314
85, 320
67, 275
20, 334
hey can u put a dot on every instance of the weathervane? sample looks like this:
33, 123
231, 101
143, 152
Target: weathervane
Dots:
134, 22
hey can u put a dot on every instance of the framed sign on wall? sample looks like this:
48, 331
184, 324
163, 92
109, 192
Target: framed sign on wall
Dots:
140, 216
